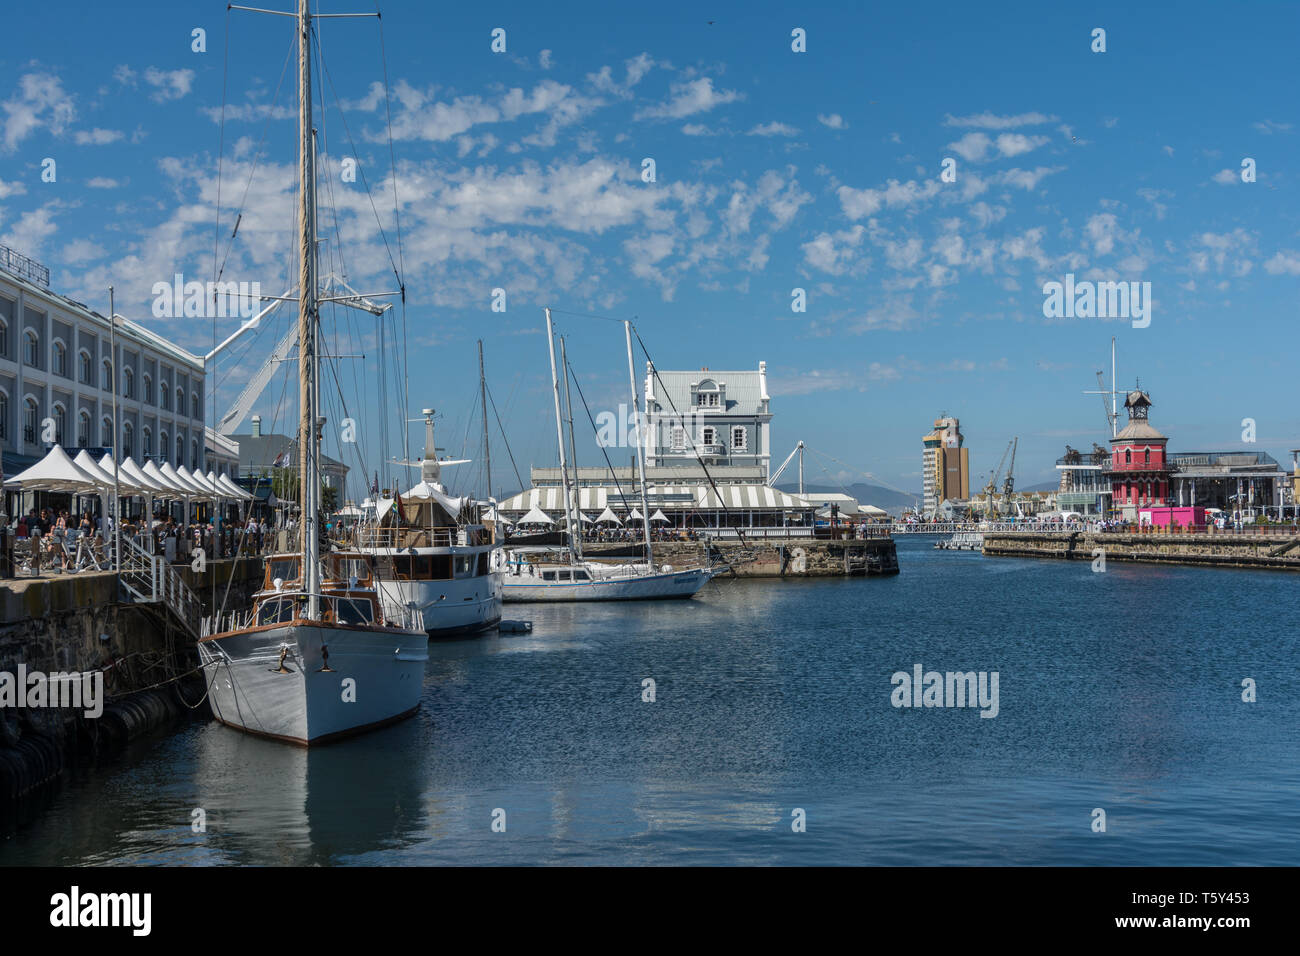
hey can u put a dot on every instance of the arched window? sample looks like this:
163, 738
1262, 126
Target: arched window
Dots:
31, 419
1148, 457
146, 448
162, 444
83, 429
86, 366
1128, 456
128, 383
4, 415
32, 349
60, 359
106, 376
194, 454
194, 404
60, 423
148, 389
106, 434
128, 440
164, 397
180, 401
4, 339
180, 450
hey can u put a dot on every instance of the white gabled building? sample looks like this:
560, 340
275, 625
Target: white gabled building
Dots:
719, 418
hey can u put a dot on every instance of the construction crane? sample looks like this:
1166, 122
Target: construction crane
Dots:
1009, 485
992, 487
798, 450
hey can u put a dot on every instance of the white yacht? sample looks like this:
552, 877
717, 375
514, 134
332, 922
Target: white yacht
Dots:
523, 579
432, 555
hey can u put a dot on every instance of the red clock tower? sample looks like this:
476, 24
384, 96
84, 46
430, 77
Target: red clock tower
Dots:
1139, 468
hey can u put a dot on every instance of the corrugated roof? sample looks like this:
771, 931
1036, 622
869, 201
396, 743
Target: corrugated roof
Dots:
743, 389
688, 497
1139, 430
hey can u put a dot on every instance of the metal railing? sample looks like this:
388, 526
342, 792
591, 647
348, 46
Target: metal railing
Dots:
151, 580
408, 537
20, 265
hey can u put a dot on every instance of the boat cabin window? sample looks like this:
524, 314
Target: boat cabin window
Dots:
464, 565
353, 611
581, 576
277, 611
548, 575
348, 568
286, 569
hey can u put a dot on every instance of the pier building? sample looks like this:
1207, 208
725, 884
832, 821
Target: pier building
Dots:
945, 465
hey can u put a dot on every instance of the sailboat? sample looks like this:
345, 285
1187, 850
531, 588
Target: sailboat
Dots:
576, 579
318, 657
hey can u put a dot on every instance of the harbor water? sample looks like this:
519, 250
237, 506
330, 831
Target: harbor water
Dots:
1120, 691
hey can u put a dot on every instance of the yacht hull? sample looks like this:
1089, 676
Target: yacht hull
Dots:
525, 587
270, 680
458, 606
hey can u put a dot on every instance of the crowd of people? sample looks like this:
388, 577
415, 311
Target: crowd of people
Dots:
56, 540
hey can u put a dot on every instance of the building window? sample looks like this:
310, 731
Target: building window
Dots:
31, 416
147, 447
194, 454
4, 417
128, 440
106, 376
1148, 457
194, 404
60, 423
148, 389
738, 438
679, 438
1128, 456
162, 445
83, 429
86, 378
708, 436
106, 434
32, 349
4, 339
180, 407
60, 359
128, 383
180, 450
164, 396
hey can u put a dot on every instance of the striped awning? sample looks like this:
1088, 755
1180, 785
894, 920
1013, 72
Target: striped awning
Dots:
668, 498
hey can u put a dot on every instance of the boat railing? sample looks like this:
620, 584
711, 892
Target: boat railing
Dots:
394, 537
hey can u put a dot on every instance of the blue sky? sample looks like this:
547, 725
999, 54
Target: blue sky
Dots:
775, 170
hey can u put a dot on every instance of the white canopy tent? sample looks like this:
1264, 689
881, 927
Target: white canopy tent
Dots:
536, 516
56, 472
608, 517
636, 516
154, 474
225, 481
659, 516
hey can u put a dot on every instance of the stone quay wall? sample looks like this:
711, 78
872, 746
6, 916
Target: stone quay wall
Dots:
1221, 549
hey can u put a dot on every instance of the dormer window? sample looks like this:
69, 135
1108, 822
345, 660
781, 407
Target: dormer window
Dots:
708, 400
708, 394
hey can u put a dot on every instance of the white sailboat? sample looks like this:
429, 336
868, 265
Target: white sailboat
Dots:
318, 657
575, 579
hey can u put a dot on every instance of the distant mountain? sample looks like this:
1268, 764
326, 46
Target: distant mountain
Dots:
1042, 486
864, 493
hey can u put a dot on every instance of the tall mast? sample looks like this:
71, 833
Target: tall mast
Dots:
482, 390
559, 428
1114, 409
575, 533
309, 484
640, 459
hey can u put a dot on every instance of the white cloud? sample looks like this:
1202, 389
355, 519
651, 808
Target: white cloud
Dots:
544, 60
1269, 127
168, 84
773, 129
832, 252
1285, 262
858, 203
988, 120
97, 137
103, 182
1226, 177
14, 188
40, 101
689, 98
1013, 144
834, 121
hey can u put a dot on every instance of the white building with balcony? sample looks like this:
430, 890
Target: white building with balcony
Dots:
718, 418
